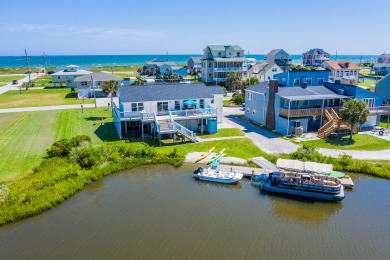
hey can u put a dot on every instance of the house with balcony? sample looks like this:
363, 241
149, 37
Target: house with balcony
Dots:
316, 108
315, 57
279, 57
298, 78
219, 60
264, 71
90, 85
342, 71
66, 75
166, 110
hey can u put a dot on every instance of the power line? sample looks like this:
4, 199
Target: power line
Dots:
28, 66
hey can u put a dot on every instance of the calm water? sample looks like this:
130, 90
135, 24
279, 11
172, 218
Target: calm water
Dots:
112, 60
162, 212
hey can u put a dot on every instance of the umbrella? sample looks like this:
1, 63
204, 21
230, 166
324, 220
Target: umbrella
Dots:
189, 102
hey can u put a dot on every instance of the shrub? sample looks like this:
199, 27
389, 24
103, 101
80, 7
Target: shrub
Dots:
89, 157
224, 90
238, 100
63, 147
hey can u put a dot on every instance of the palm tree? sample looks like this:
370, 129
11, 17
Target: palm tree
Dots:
174, 76
234, 80
152, 70
137, 82
110, 86
249, 82
167, 70
354, 112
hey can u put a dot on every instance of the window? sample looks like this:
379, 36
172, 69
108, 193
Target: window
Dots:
341, 73
248, 110
58, 77
209, 74
83, 83
254, 112
162, 106
347, 73
219, 54
137, 107
274, 69
177, 105
250, 96
230, 53
320, 82
201, 103
296, 82
337, 74
369, 101
308, 82
269, 77
238, 54
209, 64
355, 73
212, 101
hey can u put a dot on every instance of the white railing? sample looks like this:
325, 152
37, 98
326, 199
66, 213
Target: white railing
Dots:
186, 132
202, 112
145, 116
229, 69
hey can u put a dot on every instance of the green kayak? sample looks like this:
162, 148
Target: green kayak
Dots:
217, 156
333, 174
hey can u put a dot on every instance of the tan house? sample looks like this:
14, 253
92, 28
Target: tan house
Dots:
342, 71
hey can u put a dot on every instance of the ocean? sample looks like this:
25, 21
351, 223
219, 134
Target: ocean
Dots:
116, 60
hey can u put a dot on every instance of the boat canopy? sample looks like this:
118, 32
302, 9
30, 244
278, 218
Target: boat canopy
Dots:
311, 167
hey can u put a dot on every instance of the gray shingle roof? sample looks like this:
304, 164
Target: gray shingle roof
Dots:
196, 59
259, 88
224, 47
309, 93
98, 76
163, 92
273, 52
316, 51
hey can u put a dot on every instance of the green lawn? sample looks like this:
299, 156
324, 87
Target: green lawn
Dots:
40, 97
383, 122
226, 101
115, 68
43, 81
224, 132
9, 79
362, 142
367, 83
125, 75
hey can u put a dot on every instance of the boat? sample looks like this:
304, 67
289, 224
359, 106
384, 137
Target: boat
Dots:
217, 156
205, 154
302, 184
213, 174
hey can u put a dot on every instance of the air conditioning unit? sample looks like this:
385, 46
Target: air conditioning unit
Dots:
341, 91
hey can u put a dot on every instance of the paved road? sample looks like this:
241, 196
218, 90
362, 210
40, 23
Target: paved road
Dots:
20, 82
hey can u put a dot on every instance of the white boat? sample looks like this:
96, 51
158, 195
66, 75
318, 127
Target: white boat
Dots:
213, 174
303, 184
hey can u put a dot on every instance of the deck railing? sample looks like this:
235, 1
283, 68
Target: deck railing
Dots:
202, 112
379, 111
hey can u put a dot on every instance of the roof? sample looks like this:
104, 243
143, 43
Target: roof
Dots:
316, 51
196, 59
159, 64
71, 73
98, 76
177, 67
342, 64
259, 88
157, 92
157, 60
273, 52
60, 68
224, 47
263, 67
308, 93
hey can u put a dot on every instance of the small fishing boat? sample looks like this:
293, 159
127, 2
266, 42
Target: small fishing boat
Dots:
205, 154
217, 156
302, 184
213, 174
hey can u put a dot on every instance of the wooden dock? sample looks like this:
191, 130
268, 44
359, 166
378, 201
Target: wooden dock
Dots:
264, 163
246, 171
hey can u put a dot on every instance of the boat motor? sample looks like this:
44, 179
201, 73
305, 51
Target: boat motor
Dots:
199, 170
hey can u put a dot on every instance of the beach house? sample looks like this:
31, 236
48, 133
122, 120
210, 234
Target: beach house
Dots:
166, 110
382, 66
264, 71
298, 78
90, 85
167, 69
342, 71
280, 57
382, 87
194, 63
66, 75
315, 57
280, 106
157, 63
219, 60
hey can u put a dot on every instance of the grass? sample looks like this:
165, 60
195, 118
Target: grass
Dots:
224, 132
9, 79
43, 81
115, 68
360, 142
19, 70
383, 122
367, 83
39, 97
125, 75
226, 101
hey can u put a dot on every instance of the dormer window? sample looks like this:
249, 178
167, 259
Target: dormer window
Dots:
219, 54
238, 54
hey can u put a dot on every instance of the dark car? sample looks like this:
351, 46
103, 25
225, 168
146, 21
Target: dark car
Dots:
235, 95
158, 76
50, 72
14, 82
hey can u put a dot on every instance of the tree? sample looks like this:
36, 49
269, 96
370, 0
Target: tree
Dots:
167, 70
153, 70
249, 82
238, 100
354, 112
139, 70
234, 80
110, 86
137, 82
175, 76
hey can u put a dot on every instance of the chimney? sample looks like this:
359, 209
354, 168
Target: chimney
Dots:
347, 64
270, 116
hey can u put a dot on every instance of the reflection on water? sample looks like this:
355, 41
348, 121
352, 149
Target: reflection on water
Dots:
158, 211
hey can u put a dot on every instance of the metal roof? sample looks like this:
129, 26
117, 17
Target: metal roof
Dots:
259, 88
162, 92
71, 73
196, 59
237, 59
98, 76
316, 51
308, 93
225, 47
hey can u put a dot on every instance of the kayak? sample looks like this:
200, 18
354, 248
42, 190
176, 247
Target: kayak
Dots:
217, 156
205, 154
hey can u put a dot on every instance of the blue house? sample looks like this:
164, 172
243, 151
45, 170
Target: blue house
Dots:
181, 71
279, 106
296, 78
382, 87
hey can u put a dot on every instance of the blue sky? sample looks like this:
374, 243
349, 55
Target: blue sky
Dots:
70, 27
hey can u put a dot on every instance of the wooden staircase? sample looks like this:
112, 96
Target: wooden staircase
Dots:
333, 123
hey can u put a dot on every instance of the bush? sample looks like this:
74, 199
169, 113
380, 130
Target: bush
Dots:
224, 90
238, 100
63, 147
89, 157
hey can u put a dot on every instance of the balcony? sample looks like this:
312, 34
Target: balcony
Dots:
230, 69
379, 111
303, 112
194, 113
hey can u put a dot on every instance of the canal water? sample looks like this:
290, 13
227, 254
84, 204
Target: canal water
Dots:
159, 211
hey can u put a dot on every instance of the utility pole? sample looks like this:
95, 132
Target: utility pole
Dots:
167, 55
28, 66
94, 94
44, 57
361, 60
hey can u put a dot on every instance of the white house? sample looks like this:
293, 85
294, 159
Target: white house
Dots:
90, 85
342, 71
264, 71
280, 57
165, 109
67, 75
219, 60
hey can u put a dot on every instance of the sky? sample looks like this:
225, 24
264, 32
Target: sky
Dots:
80, 27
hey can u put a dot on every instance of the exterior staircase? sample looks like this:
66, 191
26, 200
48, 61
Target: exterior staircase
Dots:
333, 123
167, 125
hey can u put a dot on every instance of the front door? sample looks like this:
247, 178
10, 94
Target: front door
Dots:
162, 107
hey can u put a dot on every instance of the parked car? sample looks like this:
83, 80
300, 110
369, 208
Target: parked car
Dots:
50, 72
14, 82
243, 105
158, 76
235, 95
